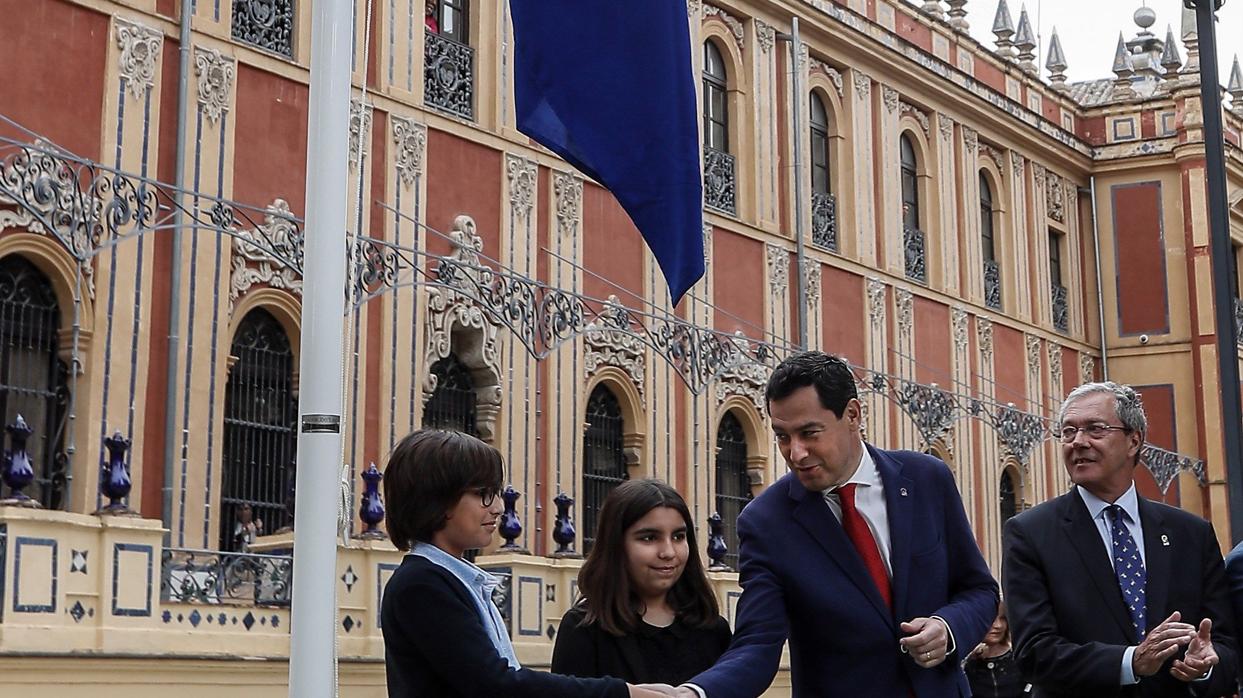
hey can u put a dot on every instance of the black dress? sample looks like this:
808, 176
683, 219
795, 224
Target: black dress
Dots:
670, 655
995, 677
435, 645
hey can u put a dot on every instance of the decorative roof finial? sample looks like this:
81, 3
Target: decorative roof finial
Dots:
1003, 28
958, 14
1056, 63
1191, 40
1123, 69
1235, 88
1026, 44
933, 9
1170, 59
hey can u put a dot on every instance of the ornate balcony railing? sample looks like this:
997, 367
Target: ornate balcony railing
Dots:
267, 24
449, 76
915, 258
992, 284
1061, 316
213, 577
719, 181
824, 221
1238, 320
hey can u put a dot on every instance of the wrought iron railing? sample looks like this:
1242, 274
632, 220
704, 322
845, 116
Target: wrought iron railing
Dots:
992, 284
213, 577
1238, 320
916, 262
824, 220
449, 76
720, 185
1061, 316
267, 24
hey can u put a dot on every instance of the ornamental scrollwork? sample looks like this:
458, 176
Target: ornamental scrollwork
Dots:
890, 97
522, 174
746, 379
919, 116
215, 74
876, 301
778, 268
904, 302
765, 35
1055, 366
958, 321
863, 83
360, 127
984, 336
735, 26
1166, 465
930, 408
946, 125
262, 255
1019, 431
1033, 354
140, 49
568, 190
1087, 368
410, 139
834, 75
609, 342
1055, 198
811, 279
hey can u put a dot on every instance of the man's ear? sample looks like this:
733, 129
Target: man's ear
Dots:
853, 412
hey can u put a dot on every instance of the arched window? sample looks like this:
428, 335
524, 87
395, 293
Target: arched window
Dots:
604, 463
1009, 498
452, 405
716, 111
988, 245
34, 382
820, 176
260, 434
733, 487
910, 183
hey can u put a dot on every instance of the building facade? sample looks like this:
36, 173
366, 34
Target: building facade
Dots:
980, 239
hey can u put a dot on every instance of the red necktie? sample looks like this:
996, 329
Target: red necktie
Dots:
859, 533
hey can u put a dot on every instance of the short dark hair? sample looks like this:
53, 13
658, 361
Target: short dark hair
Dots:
831, 376
427, 473
603, 583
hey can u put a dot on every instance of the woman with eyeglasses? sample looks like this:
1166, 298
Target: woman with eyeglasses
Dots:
443, 636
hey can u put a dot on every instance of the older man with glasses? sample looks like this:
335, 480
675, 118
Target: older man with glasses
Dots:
1111, 594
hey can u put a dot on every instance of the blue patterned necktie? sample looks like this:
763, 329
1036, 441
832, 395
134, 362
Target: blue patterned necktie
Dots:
1129, 568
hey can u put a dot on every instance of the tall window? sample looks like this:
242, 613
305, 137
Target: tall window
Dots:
1009, 498
820, 182
1061, 313
733, 487
260, 434
716, 113
452, 405
449, 19
604, 463
1055, 258
910, 183
33, 380
986, 219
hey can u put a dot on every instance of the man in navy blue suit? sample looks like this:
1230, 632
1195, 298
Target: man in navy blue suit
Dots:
862, 558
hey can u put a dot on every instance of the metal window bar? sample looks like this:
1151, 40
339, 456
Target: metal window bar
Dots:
824, 220
212, 577
604, 462
265, 24
733, 487
452, 404
449, 75
916, 263
719, 181
33, 380
260, 434
992, 284
1061, 314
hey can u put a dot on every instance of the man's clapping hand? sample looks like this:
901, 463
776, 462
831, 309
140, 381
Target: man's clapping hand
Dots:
1162, 643
1200, 655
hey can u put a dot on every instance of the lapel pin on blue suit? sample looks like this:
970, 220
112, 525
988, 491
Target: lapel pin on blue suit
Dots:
902, 492
1165, 540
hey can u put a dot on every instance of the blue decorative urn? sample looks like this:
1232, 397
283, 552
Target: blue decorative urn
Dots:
511, 526
18, 471
371, 510
114, 482
563, 526
716, 543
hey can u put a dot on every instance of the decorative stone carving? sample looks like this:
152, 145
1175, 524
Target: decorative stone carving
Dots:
863, 83
735, 26
958, 321
946, 125
778, 268
253, 263
1033, 354
765, 36
746, 380
410, 139
905, 304
993, 154
140, 49
608, 346
693, 8
1087, 368
1055, 368
360, 126
917, 115
1038, 174
522, 175
215, 75
833, 73
1055, 198
890, 97
457, 324
1018, 163
984, 336
811, 279
876, 301
971, 138
804, 56
707, 232
568, 190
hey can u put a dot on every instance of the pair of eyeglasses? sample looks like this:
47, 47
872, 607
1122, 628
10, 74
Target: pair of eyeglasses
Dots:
487, 495
1095, 430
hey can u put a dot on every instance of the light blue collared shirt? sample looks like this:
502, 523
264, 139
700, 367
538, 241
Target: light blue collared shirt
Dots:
480, 585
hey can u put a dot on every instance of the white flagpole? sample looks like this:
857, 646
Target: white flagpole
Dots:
312, 651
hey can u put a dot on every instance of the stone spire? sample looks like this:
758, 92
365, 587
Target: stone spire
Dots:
933, 8
1191, 41
1003, 28
1170, 60
1122, 68
1056, 63
1235, 88
958, 14
1025, 42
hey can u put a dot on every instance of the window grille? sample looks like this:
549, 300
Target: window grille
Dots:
34, 382
733, 487
1009, 499
267, 24
452, 405
260, 429
604, 462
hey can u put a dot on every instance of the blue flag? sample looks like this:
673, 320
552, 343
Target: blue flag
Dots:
608, 85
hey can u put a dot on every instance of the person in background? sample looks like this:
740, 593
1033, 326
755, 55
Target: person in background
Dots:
429, 17
443, 636
646, 611
990, 668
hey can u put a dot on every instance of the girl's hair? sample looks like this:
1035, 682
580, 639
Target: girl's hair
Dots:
604, 585
427, 473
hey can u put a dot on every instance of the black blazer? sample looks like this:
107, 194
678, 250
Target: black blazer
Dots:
1070, 624
587, 650
435, 645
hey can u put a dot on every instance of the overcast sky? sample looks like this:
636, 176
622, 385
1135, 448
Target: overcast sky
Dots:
1088, 29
